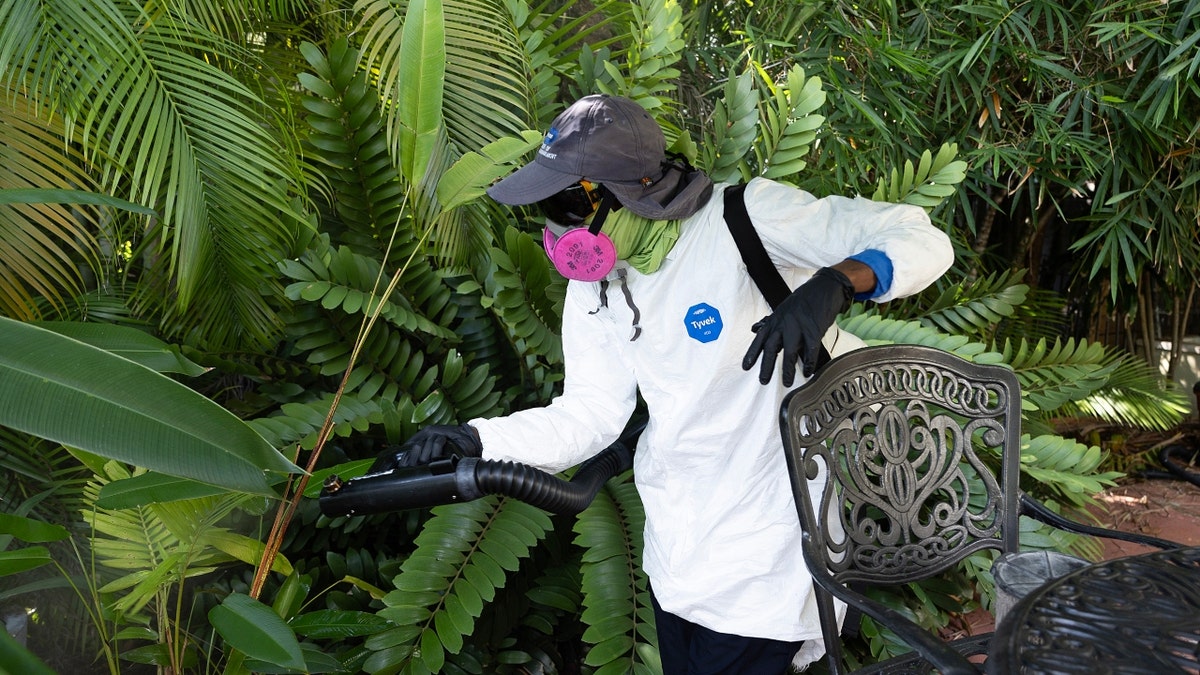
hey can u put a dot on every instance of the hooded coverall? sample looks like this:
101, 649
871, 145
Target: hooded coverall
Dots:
722, 538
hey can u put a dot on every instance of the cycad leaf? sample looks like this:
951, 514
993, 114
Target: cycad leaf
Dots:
462, 556
796, 107
614, 587
927, 184
735, 120
1052, 375
879, 330
1066, 466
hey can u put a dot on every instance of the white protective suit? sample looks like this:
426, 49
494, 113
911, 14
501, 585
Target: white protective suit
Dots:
722, 539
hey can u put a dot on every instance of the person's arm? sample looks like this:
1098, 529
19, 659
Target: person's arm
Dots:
860, 275
859, 249
599, 395
803, 233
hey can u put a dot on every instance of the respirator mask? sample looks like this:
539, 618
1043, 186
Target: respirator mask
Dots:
579, 253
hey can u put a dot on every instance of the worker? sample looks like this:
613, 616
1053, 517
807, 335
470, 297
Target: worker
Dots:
659, 303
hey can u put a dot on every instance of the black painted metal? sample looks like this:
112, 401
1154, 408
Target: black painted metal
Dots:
466, 479
1135, 615
904, 460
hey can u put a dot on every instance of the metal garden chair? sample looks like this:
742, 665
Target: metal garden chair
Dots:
904, 460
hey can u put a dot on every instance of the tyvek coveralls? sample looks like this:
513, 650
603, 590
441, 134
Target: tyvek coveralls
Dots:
722, 538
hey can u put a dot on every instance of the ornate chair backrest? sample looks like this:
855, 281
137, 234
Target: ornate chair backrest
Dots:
893, 453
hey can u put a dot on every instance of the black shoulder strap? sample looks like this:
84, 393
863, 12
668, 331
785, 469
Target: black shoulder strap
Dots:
766, 276
758, 263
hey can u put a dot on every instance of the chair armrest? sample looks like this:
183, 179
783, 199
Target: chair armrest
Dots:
929, 646
1039, 511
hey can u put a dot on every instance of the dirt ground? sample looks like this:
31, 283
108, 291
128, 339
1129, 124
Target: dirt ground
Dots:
1161, 507
1169, 509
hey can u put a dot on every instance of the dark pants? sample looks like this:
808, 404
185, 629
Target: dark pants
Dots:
688, 649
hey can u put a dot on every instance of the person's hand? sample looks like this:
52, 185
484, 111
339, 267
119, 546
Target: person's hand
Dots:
798, 324
431, 443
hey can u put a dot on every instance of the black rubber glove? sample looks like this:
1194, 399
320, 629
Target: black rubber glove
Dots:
798, 324
431, 443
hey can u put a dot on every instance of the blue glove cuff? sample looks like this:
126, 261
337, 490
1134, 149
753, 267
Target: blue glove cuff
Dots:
881, 265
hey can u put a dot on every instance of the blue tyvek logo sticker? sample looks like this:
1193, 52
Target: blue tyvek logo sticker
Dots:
703, 322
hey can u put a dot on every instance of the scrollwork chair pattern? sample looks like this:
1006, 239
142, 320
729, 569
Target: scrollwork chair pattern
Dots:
907, 443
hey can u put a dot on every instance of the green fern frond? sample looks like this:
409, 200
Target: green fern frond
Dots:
396, 362
298, 422
161, 544
347, 136
656, 43
472, 393
526, 298
558, 590
523, 263
351, 285
463, 555
927, 184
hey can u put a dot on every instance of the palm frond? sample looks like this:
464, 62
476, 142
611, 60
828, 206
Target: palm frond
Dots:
43, 247
1134, 395
159, 118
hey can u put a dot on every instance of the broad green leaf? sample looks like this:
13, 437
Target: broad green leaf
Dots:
246, 549
30, 530
422, 59
23, 559
467, 178
255, 629
315, 661
66, 391
152, 488
16, 659
131, 343
337, 624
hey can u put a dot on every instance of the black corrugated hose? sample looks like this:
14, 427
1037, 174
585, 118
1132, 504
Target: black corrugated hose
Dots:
459, 480
1173, 459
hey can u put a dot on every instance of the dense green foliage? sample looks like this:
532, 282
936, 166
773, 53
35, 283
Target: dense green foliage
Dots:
253, 232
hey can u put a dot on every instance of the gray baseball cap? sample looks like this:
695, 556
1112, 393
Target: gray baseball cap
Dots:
613, 141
